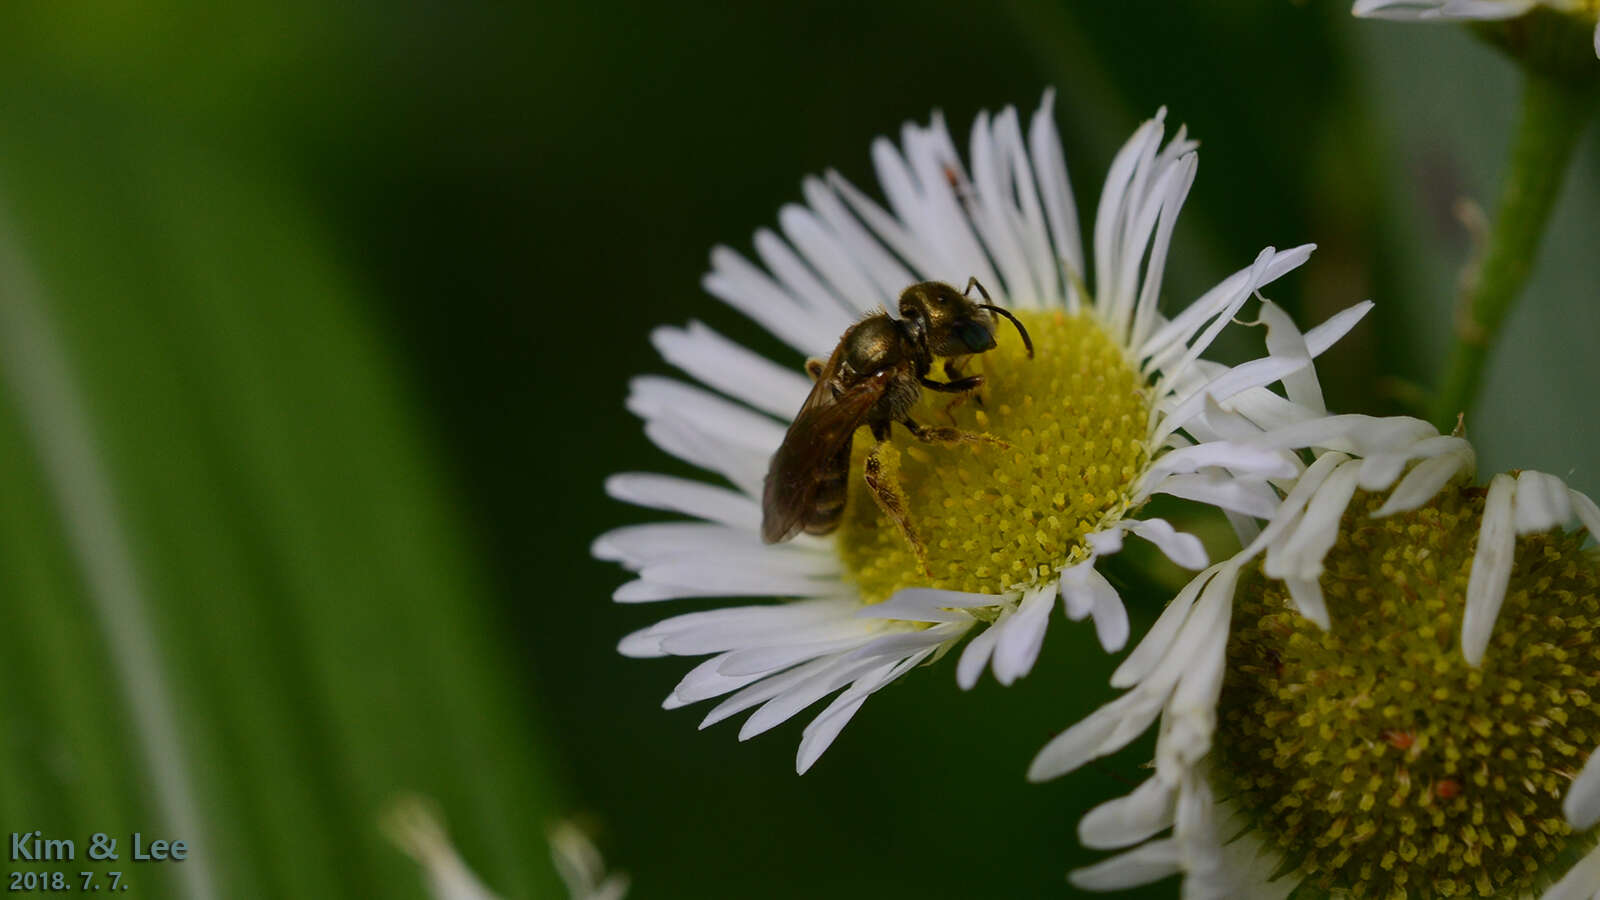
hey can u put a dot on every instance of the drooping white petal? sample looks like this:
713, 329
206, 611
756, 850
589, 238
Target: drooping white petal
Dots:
1150, 651
1300, 555
1491, 568
1018, 647
1129, 819
978, 652
1110, 617
1423, 481
1284, 339
1181, 547
1582, 803
1149, 862
1083, 588
1181, 329
1582, 881
1587, 512
1218, 488
1541, 502
1083, 741
1307, 596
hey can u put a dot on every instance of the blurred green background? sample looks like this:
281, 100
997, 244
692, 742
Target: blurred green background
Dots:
347, 299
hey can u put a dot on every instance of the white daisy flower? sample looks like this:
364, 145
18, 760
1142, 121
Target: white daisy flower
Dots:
1424, 726
413, 825
1113, 407
1444, 10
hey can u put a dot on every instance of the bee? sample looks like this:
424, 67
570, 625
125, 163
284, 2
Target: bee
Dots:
875, 377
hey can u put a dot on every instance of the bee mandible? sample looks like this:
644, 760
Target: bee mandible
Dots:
875, 377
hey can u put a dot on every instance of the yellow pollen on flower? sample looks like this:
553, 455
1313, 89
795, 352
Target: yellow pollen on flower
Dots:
1372, 755
995, 518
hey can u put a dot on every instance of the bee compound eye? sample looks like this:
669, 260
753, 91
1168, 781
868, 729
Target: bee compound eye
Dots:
975, 336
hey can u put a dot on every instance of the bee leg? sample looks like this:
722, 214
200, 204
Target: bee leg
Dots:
814, 368
891, 499
951, 436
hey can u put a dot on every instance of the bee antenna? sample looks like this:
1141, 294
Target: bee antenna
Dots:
1026, 341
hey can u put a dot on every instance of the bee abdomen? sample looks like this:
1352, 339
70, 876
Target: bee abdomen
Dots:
827, 507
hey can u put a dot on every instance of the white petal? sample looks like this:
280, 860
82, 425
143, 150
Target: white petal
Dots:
765, 689
1082, 742
1023, 635
1182, 548
1307, 596
1110, 617
1082, 589
1182, 328
834, 259
691, 498
1128, 820
900, 239
1582, 803
930, 605
763, 660
785, 705
1582, 881
732, 369
978, 652
822, 730
1587, 512
1150, 651
800, 282
1269, 462
1423, 482
1146, 864
1217, 488
888, 276
693, 579
1055, 188
1541, 502
1491, 569
704, 682
1301, 554
1284, 339
654, 397
737, 282
636, 545
820, 734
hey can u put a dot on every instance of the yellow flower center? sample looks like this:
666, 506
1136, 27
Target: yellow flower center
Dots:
1372, 754
995, 518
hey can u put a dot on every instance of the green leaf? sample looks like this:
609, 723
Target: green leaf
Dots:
236, 593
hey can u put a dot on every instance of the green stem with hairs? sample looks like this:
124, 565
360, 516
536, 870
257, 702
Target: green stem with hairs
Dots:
1554, 112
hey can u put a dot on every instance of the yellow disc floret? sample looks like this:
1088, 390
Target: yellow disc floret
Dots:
993, 518
1373, 755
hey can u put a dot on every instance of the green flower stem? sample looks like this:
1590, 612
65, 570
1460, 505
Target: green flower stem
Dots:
1554, 112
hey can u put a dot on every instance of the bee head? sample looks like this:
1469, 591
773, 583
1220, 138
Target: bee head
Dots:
950, 323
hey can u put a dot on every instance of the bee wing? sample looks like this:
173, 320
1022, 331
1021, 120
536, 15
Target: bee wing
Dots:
821, 430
